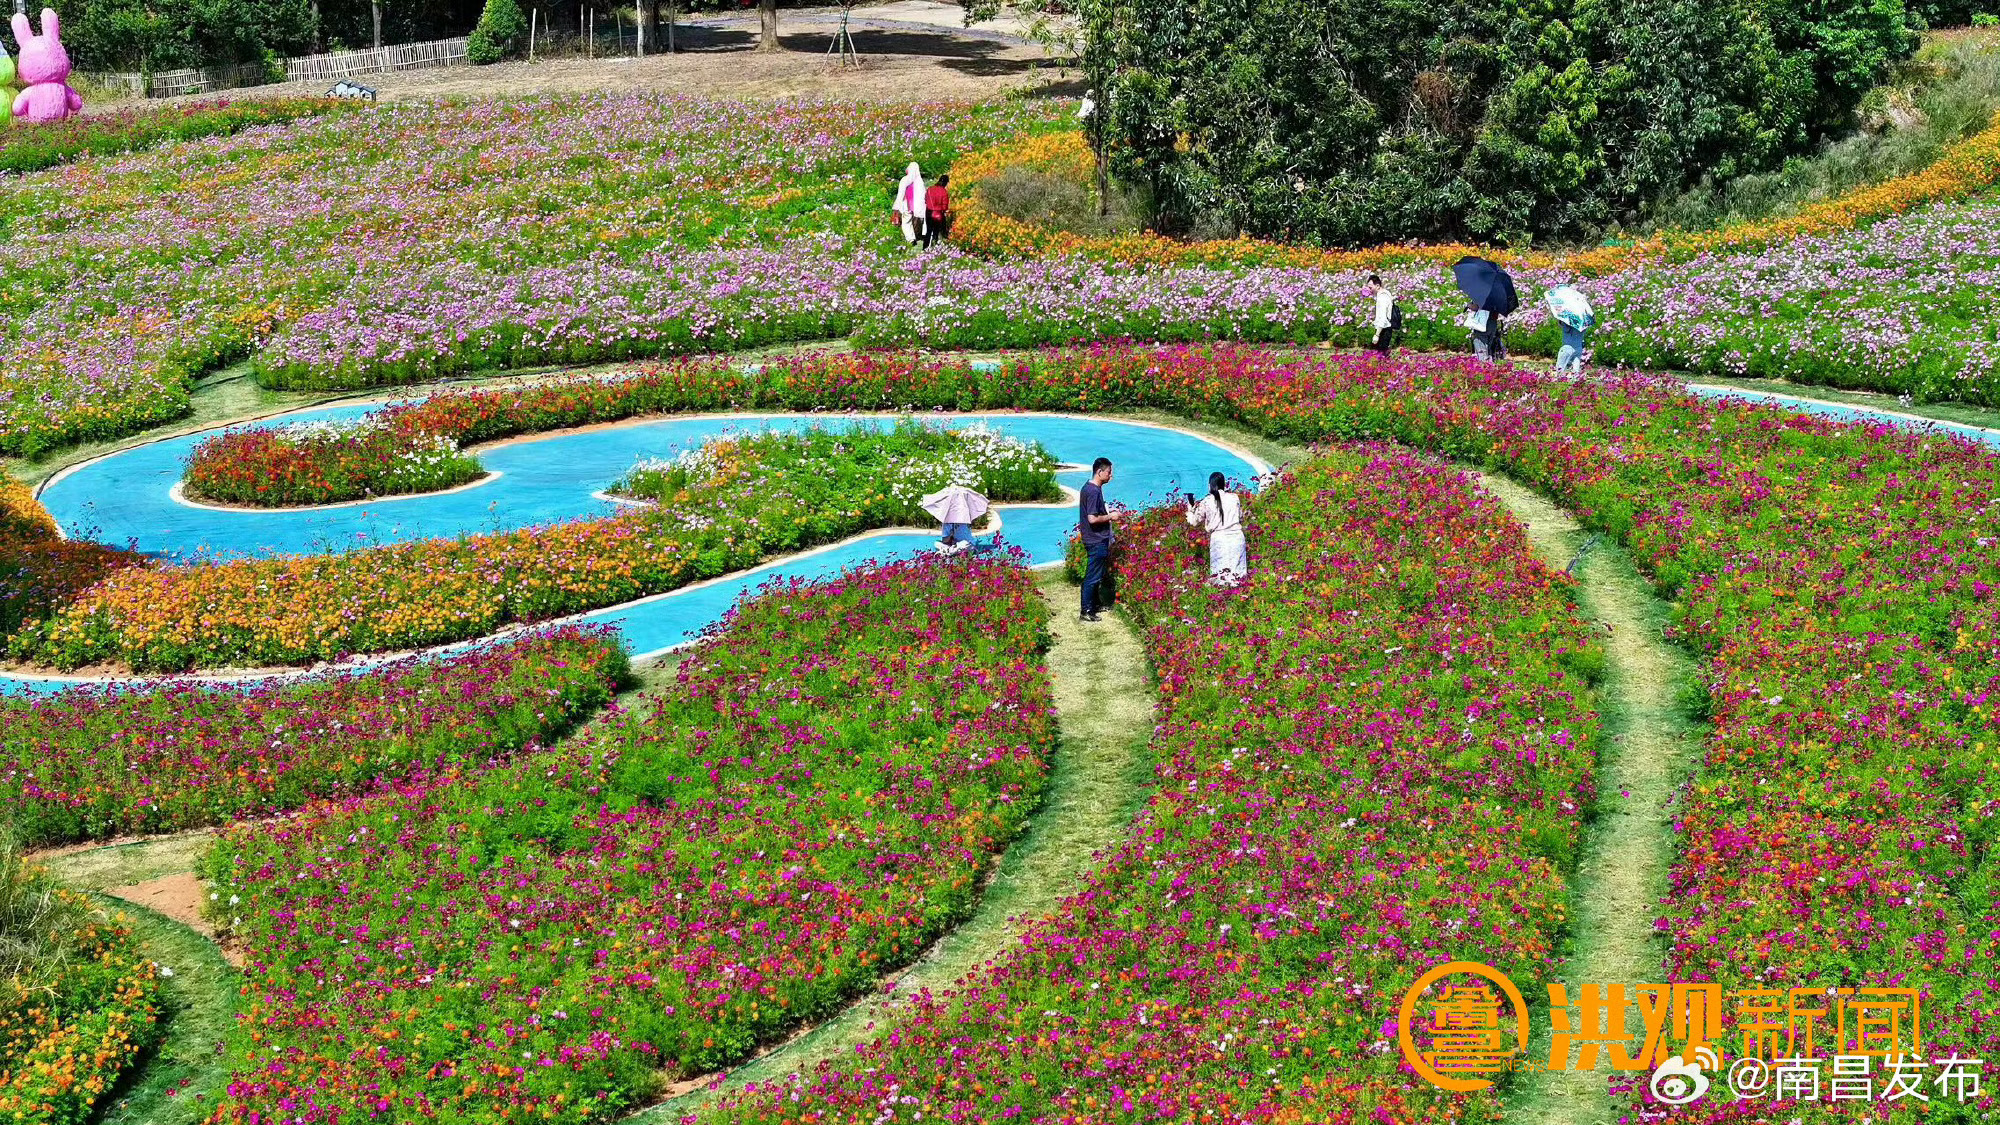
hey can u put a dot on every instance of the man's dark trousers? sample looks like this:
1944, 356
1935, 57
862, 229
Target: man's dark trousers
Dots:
1099, 555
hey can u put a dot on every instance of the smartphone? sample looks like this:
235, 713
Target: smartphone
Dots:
1190, 499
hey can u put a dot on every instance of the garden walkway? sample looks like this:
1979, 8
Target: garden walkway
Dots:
1651, 746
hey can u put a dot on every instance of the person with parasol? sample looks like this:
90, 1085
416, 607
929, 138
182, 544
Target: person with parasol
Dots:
1572, 311
1489, 297
956, 507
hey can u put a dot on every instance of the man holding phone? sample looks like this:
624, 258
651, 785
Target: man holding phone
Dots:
1093, 527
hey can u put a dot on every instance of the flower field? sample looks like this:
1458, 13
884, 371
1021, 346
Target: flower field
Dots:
403, 243
79, 1001
1833, 578
813, 801
763, 497
1394, 771
132, 274
39, 569
94, 763
322, 463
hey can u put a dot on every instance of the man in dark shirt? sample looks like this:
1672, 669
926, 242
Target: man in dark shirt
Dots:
1093, 526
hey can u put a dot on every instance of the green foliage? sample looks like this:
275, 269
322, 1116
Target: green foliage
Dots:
1509, 120
1046, 200
45, 146
1950, 91
502, 33
149, 35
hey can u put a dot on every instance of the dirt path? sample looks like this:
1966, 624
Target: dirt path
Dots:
1104, 700
1622, 877
900, 62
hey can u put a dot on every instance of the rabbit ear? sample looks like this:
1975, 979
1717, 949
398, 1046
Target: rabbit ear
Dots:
23, 30
51, 23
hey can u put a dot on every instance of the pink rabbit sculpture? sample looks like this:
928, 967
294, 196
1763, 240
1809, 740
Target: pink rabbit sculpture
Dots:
43, 66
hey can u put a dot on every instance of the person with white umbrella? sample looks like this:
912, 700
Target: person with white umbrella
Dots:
956, 507
1573, 313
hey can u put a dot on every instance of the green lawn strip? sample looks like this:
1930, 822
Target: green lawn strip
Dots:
102, 866
176, 1084
1651, 747
1104, 699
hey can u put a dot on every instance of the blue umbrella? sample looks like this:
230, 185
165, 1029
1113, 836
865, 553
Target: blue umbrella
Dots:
1486, 285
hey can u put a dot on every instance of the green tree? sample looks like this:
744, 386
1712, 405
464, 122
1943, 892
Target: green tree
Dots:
1509, 120
502, 33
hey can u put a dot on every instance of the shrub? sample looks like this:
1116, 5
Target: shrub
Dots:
501, 31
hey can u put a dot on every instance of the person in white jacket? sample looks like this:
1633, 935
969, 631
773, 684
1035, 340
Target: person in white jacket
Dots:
1385, 314
1220, 513
909, 203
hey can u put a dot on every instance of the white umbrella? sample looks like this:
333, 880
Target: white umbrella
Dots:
954, 503
1571, 307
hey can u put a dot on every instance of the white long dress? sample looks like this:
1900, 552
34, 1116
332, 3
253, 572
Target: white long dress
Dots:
1228, 554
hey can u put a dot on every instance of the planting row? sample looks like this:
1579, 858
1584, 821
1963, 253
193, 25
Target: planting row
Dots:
1375, 756
814, 800
93, 763
732, 505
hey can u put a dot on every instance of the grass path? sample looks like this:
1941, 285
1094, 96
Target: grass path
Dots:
177, 1083
1651, 745
180, 1082
1104, 701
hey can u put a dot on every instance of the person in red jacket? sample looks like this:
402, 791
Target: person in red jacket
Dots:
937, 208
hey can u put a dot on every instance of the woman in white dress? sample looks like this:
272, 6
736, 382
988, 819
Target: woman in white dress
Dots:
909, 203
1220, 513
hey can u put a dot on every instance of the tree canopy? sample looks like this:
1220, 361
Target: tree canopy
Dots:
1508, 120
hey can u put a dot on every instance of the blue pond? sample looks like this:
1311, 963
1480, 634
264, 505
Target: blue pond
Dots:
129, 496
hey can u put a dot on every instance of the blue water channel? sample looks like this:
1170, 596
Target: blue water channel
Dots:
129, 497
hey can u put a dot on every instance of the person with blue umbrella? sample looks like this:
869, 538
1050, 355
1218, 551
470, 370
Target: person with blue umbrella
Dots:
1572, 311
1489, 296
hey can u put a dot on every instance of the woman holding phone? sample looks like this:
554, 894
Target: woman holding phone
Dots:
1220, 513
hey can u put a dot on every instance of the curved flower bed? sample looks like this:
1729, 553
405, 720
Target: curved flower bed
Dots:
825, 469
304, 463
811, 803
299, 609
39, 569
1373, 757
80, 1004
93, 763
